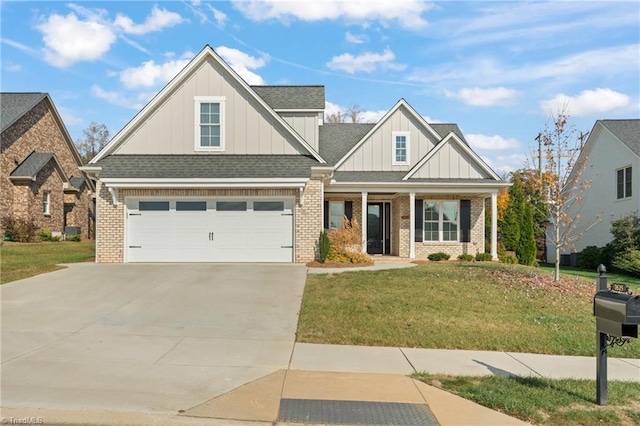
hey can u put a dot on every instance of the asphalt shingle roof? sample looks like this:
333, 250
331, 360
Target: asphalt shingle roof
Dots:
292, 97
15, 105
76, 182
628, 131
206, 166
444, 129
396, 177
336, 139
32, 165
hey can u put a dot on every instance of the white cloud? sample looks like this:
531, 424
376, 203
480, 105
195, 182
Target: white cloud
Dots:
12, 67
218, 15
69, 118
243, 63
365, 116
156, 21
16, 45
366, 62
407, 13
492, 143
484, 97
116, 98
356, 39
505, 164
150, 74
69, 40
587, 103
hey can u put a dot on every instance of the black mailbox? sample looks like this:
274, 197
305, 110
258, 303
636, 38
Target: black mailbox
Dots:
617, 314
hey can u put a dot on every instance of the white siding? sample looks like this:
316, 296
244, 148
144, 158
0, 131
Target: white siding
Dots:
450, 162
306, 124
375, 154
249, 128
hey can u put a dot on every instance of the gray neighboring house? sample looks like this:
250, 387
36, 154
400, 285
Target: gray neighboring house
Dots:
610, 162
215, 170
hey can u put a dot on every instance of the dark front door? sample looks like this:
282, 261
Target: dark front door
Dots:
375, 228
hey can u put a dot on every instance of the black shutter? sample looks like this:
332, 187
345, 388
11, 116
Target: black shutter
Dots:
465, 220
419, 224
348, 210
326, 215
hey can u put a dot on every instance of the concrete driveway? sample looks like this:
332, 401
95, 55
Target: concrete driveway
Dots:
146, 338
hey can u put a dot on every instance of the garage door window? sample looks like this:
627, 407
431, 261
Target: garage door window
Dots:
153, 206
231, 206
191, 206
268, 206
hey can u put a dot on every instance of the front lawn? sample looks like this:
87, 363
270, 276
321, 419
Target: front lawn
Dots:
545, 401
23, 260
455, 305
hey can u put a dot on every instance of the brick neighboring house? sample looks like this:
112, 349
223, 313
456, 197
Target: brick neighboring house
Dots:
40, 177
216, 170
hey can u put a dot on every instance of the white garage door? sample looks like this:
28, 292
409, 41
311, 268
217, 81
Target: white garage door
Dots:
212, 230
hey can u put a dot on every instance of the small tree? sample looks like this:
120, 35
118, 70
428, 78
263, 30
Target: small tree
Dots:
323, 246
526, 248
512, 223
96, 137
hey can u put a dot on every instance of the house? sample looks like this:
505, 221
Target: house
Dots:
40, 179
215, 170
610, 163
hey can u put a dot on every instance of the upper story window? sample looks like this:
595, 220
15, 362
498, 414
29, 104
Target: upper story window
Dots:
441, 220
209, 131
400, 148
46, 203
623, 183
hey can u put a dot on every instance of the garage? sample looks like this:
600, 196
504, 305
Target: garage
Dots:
209, 230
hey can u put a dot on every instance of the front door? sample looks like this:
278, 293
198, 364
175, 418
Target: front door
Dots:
375, 228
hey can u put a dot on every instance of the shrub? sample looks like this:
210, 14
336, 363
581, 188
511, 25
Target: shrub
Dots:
20, 230
345, 245
590, 257
512, 260
45, 235
75, 238
323, 246
466, 257
436, 257
502, 251
484, 257
526, 248
628, 262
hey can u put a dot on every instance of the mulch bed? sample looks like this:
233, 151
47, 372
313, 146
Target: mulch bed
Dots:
316, 264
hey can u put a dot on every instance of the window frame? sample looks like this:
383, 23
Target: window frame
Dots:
341, 204
441, 221
199, 100
624, 186
394, 148
46, 203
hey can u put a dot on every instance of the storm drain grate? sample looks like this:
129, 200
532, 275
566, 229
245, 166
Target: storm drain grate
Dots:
355, 413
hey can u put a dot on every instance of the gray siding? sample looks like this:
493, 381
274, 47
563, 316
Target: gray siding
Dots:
450, 162
249, 128
306, 124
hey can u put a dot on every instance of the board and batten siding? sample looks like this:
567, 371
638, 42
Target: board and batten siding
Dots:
248, 127
450, 162
376, 153
306, 124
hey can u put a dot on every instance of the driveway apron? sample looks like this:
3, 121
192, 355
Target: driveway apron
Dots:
145, 337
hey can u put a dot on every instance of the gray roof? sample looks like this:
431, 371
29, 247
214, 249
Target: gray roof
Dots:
336, 139
292, 97
32, 165
15, 105
628, 131
206, 166
358, 177
76, 182
444, 129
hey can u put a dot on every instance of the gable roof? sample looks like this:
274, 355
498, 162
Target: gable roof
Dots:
206, 53
292, 97
33, 164
336, 139
14, 105
628, 131
444, 129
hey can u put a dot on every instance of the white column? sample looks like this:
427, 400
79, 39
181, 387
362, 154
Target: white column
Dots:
363, 222
412, 225
494, 226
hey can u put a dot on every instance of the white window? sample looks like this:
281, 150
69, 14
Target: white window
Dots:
441, 220
400, 148
336, 214
46, 203
209, 118
623, 183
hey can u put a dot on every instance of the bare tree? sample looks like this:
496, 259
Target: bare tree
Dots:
565, 185
335, 117
355, 113
96, 137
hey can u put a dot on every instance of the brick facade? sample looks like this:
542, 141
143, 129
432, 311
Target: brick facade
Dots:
38, 130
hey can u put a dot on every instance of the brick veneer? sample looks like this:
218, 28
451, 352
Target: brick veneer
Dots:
110, 220
39, 131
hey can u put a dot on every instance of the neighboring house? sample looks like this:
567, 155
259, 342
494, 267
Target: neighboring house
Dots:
610, 164
215, 170
40, 179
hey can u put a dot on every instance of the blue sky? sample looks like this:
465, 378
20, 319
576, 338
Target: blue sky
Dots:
498, 69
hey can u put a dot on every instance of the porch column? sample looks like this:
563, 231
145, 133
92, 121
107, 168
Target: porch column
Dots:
412, 225
494, 226
363, 221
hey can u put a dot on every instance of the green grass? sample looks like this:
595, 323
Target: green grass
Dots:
18, 261
476, 306
546, 401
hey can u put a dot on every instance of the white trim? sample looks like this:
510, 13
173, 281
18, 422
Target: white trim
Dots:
441, 239
394, 148
400, 103
494, 225
197, 101
206, 53
114, 195
363, 222
297, 110
46, 203
447, 139
412, 225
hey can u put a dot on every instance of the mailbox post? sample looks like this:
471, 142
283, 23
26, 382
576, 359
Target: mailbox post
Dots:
601, 353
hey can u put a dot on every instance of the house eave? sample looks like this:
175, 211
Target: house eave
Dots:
206, 183
407, 187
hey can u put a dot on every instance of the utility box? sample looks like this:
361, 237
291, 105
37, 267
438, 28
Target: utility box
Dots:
72, 230
617, 314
